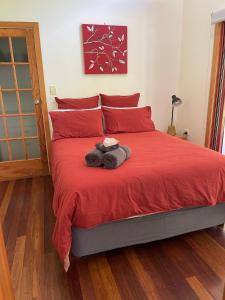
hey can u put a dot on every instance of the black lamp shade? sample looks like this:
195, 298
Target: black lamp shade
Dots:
176, 101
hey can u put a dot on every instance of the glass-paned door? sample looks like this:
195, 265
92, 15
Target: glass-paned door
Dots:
22, 137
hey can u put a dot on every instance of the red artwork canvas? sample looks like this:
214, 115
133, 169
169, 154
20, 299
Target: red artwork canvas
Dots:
105, 49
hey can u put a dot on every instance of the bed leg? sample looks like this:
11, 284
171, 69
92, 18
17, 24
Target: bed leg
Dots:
76, 258
222, 226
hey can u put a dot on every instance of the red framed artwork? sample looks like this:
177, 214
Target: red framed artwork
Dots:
104, 49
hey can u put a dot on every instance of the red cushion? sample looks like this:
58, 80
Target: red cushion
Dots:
120, 101
72, 124
128, 120
77, 103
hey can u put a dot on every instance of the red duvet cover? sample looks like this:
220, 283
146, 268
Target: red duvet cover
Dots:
163, 173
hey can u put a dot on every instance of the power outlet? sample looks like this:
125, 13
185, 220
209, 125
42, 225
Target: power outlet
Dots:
186, 132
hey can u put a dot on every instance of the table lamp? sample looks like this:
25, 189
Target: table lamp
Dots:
175, 102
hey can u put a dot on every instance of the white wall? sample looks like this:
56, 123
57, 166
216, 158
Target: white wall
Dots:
164, 48
196, 54
154, 41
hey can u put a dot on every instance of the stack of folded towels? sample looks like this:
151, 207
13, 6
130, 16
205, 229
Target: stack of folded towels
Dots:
108, 154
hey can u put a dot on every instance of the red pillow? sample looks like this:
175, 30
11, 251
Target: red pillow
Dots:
74, 124
77, 103
120, 101
128, 120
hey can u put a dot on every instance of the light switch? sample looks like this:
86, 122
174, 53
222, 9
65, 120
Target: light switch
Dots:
52, 90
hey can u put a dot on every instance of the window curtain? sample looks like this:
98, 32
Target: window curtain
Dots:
215, 119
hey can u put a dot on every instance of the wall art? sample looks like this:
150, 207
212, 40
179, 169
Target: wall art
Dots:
104, 49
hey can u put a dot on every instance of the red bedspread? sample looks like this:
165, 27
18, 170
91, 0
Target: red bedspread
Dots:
164, 173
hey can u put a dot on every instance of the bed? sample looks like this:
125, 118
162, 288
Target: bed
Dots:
168, 187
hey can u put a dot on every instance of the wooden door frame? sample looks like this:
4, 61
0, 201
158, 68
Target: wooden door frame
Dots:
6, 289
34, 26
215, 69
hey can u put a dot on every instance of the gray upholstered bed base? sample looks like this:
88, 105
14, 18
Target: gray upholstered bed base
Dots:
145, 229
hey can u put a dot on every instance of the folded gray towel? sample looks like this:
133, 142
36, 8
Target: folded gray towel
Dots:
94, 158
102, 148
115, 158
127, 150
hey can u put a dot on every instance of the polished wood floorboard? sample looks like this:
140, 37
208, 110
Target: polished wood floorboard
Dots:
190, 266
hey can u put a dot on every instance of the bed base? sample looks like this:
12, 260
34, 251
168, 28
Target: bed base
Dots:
145, 229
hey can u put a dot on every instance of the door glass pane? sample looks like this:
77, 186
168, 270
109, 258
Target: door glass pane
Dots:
30, 127
6, 77
33, 148
10, 102
23, 76
3, 151
20, 49
14, 126
2, 131
4, 50
17, 149
27, 102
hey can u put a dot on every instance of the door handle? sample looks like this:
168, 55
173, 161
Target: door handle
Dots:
37, 101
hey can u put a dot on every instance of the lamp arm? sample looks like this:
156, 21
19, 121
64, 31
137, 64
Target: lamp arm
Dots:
172, 115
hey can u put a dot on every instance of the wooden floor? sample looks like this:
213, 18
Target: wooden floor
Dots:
191, 266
